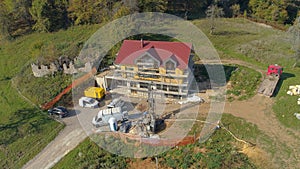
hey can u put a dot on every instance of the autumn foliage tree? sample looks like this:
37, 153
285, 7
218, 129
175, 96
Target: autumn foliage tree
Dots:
18, 17
14, 17
270, 10
294, 32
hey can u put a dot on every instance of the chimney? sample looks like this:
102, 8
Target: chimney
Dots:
142, 43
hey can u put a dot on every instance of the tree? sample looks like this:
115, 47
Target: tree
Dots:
270, 10
4, 22
42, 23
90, 11
22, 17
235, 10
132, 5
213, 12
15, 18
152, 5
292, 10
197, 8
120, 10
294, 32
57, 14
228, 4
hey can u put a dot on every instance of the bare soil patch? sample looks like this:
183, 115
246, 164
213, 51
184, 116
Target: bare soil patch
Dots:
258, 110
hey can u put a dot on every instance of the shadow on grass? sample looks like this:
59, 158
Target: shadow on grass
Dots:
232, 33
153, 37
202, 77
21, 123
5, 79
283, 77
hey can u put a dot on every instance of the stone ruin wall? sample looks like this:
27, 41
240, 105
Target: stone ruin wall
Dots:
40, 70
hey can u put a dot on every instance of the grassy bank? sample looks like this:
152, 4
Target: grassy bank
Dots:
24, 129
44, 48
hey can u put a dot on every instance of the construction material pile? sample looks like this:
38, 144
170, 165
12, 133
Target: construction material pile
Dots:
294, 90
297, 115
192, 99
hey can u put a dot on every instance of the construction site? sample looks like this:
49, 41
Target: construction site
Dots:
148, 94
152, 85
151, 96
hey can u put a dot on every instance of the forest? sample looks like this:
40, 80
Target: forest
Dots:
19, 17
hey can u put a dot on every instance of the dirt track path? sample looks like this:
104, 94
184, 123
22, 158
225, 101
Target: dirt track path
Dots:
258, 110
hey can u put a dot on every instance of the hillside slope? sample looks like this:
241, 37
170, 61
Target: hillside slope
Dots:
24, 129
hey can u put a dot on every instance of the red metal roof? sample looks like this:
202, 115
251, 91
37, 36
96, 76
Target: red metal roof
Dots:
131, 49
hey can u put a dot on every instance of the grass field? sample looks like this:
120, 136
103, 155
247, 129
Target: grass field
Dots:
238, 87
24, 129
249, 41
242, 88
285, 105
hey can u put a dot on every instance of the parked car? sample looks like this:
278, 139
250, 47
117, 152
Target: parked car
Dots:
88, 102
58, 111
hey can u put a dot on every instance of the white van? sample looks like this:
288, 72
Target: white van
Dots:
103, 116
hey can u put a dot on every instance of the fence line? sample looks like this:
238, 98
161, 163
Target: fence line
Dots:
67, 89
174, 142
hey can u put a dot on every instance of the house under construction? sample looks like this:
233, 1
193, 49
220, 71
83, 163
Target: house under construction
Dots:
166, 66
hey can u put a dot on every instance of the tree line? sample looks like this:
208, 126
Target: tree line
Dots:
18, 17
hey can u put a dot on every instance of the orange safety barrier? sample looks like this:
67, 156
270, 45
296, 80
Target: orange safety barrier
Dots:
67, 89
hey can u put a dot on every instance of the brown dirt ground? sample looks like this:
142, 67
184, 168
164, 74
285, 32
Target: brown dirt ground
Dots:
258, 110
145, 164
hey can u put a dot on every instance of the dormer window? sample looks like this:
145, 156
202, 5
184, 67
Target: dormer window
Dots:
170, 65
147, 61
